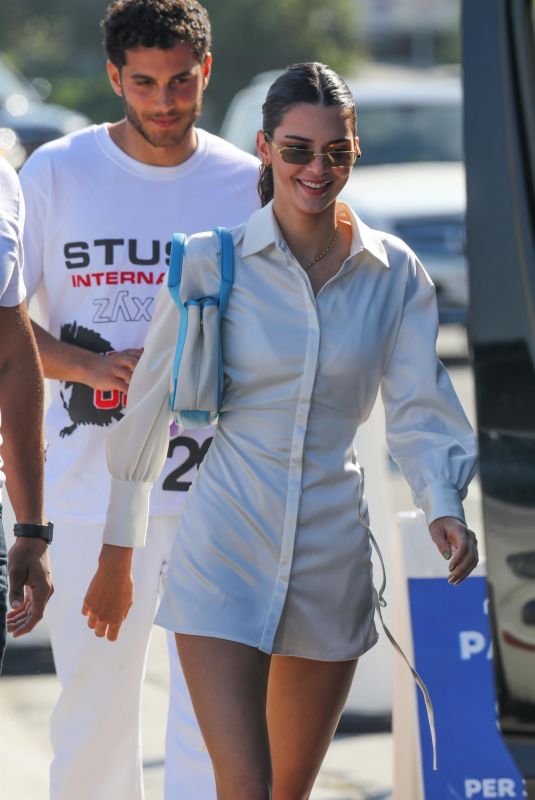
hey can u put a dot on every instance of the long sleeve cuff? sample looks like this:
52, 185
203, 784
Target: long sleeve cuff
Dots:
441, 499
128, 513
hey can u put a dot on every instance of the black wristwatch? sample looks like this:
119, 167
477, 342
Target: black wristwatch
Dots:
32, 530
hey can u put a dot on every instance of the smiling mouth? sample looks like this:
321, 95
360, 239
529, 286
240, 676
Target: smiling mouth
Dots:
314, 187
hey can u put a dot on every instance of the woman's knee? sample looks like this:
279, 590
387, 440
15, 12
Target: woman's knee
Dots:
247, 788
291, 794
254, 792
294, 787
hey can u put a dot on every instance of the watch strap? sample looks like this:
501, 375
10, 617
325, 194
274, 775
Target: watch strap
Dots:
31, 530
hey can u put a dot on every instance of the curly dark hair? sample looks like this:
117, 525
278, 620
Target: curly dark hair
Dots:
155, 23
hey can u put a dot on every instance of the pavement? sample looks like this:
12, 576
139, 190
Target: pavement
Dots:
357, 767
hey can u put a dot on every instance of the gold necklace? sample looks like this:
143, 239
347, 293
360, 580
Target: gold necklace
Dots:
324, 252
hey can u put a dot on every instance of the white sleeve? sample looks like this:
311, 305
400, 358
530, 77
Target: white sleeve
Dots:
428, 434
137, 445
12, 290
35, 182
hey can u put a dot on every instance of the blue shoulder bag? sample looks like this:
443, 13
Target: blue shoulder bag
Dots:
197, 376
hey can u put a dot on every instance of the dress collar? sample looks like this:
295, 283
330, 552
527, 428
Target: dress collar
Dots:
262, 230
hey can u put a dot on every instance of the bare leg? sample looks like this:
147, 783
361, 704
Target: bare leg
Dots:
227, 682
305, 701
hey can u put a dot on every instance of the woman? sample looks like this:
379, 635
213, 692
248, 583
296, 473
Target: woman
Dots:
270, 589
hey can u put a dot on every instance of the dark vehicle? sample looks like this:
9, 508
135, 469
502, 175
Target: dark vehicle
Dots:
499, 71
26, 121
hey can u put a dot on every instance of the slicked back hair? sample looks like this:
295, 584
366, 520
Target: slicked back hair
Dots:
310, 82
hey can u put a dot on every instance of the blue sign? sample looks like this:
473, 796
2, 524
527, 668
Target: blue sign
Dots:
453, 654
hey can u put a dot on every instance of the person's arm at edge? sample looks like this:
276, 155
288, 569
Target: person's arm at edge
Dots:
21, 402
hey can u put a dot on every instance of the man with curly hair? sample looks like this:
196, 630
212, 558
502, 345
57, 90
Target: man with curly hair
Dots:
102, 205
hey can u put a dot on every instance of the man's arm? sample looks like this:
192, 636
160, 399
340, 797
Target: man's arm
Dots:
21, 405
67, 362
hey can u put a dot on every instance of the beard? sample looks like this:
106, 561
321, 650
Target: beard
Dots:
170, 138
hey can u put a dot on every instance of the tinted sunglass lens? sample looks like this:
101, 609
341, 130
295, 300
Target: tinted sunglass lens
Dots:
342, 159
294, 156
336, 158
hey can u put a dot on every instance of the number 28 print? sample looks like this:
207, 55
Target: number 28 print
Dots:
194, 455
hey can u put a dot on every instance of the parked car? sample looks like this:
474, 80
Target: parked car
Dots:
410, 179
26, 120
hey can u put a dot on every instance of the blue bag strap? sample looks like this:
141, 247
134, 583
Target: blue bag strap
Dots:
176, 260
227, 280
174, 277
227, 267
178, 243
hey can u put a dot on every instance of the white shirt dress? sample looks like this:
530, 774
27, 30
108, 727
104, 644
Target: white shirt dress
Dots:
273, 546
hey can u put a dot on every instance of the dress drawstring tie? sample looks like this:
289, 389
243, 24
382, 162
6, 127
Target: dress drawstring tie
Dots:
380, 603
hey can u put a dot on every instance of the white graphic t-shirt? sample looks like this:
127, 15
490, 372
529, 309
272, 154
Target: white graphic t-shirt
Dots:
97, 247
12, 290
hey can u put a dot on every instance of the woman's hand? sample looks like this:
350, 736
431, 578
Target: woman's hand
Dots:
457, 544
109, 596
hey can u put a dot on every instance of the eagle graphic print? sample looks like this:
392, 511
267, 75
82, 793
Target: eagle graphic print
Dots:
83, 404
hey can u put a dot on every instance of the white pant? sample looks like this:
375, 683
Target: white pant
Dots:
95, 726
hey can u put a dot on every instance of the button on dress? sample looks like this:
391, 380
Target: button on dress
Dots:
273, 547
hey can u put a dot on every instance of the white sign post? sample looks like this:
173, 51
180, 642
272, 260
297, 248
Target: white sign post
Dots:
445, 629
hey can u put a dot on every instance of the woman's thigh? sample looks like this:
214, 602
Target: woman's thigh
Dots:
304, 703
227, 682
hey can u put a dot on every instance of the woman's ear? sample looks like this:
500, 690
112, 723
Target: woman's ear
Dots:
263, 148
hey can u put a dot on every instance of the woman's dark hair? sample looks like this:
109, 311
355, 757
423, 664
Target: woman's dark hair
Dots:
301, 83
155, 23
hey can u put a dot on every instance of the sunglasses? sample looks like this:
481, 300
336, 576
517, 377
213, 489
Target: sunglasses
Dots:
302, 155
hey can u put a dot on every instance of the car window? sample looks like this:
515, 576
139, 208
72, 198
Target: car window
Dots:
394, 135
391, 132
11, 84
